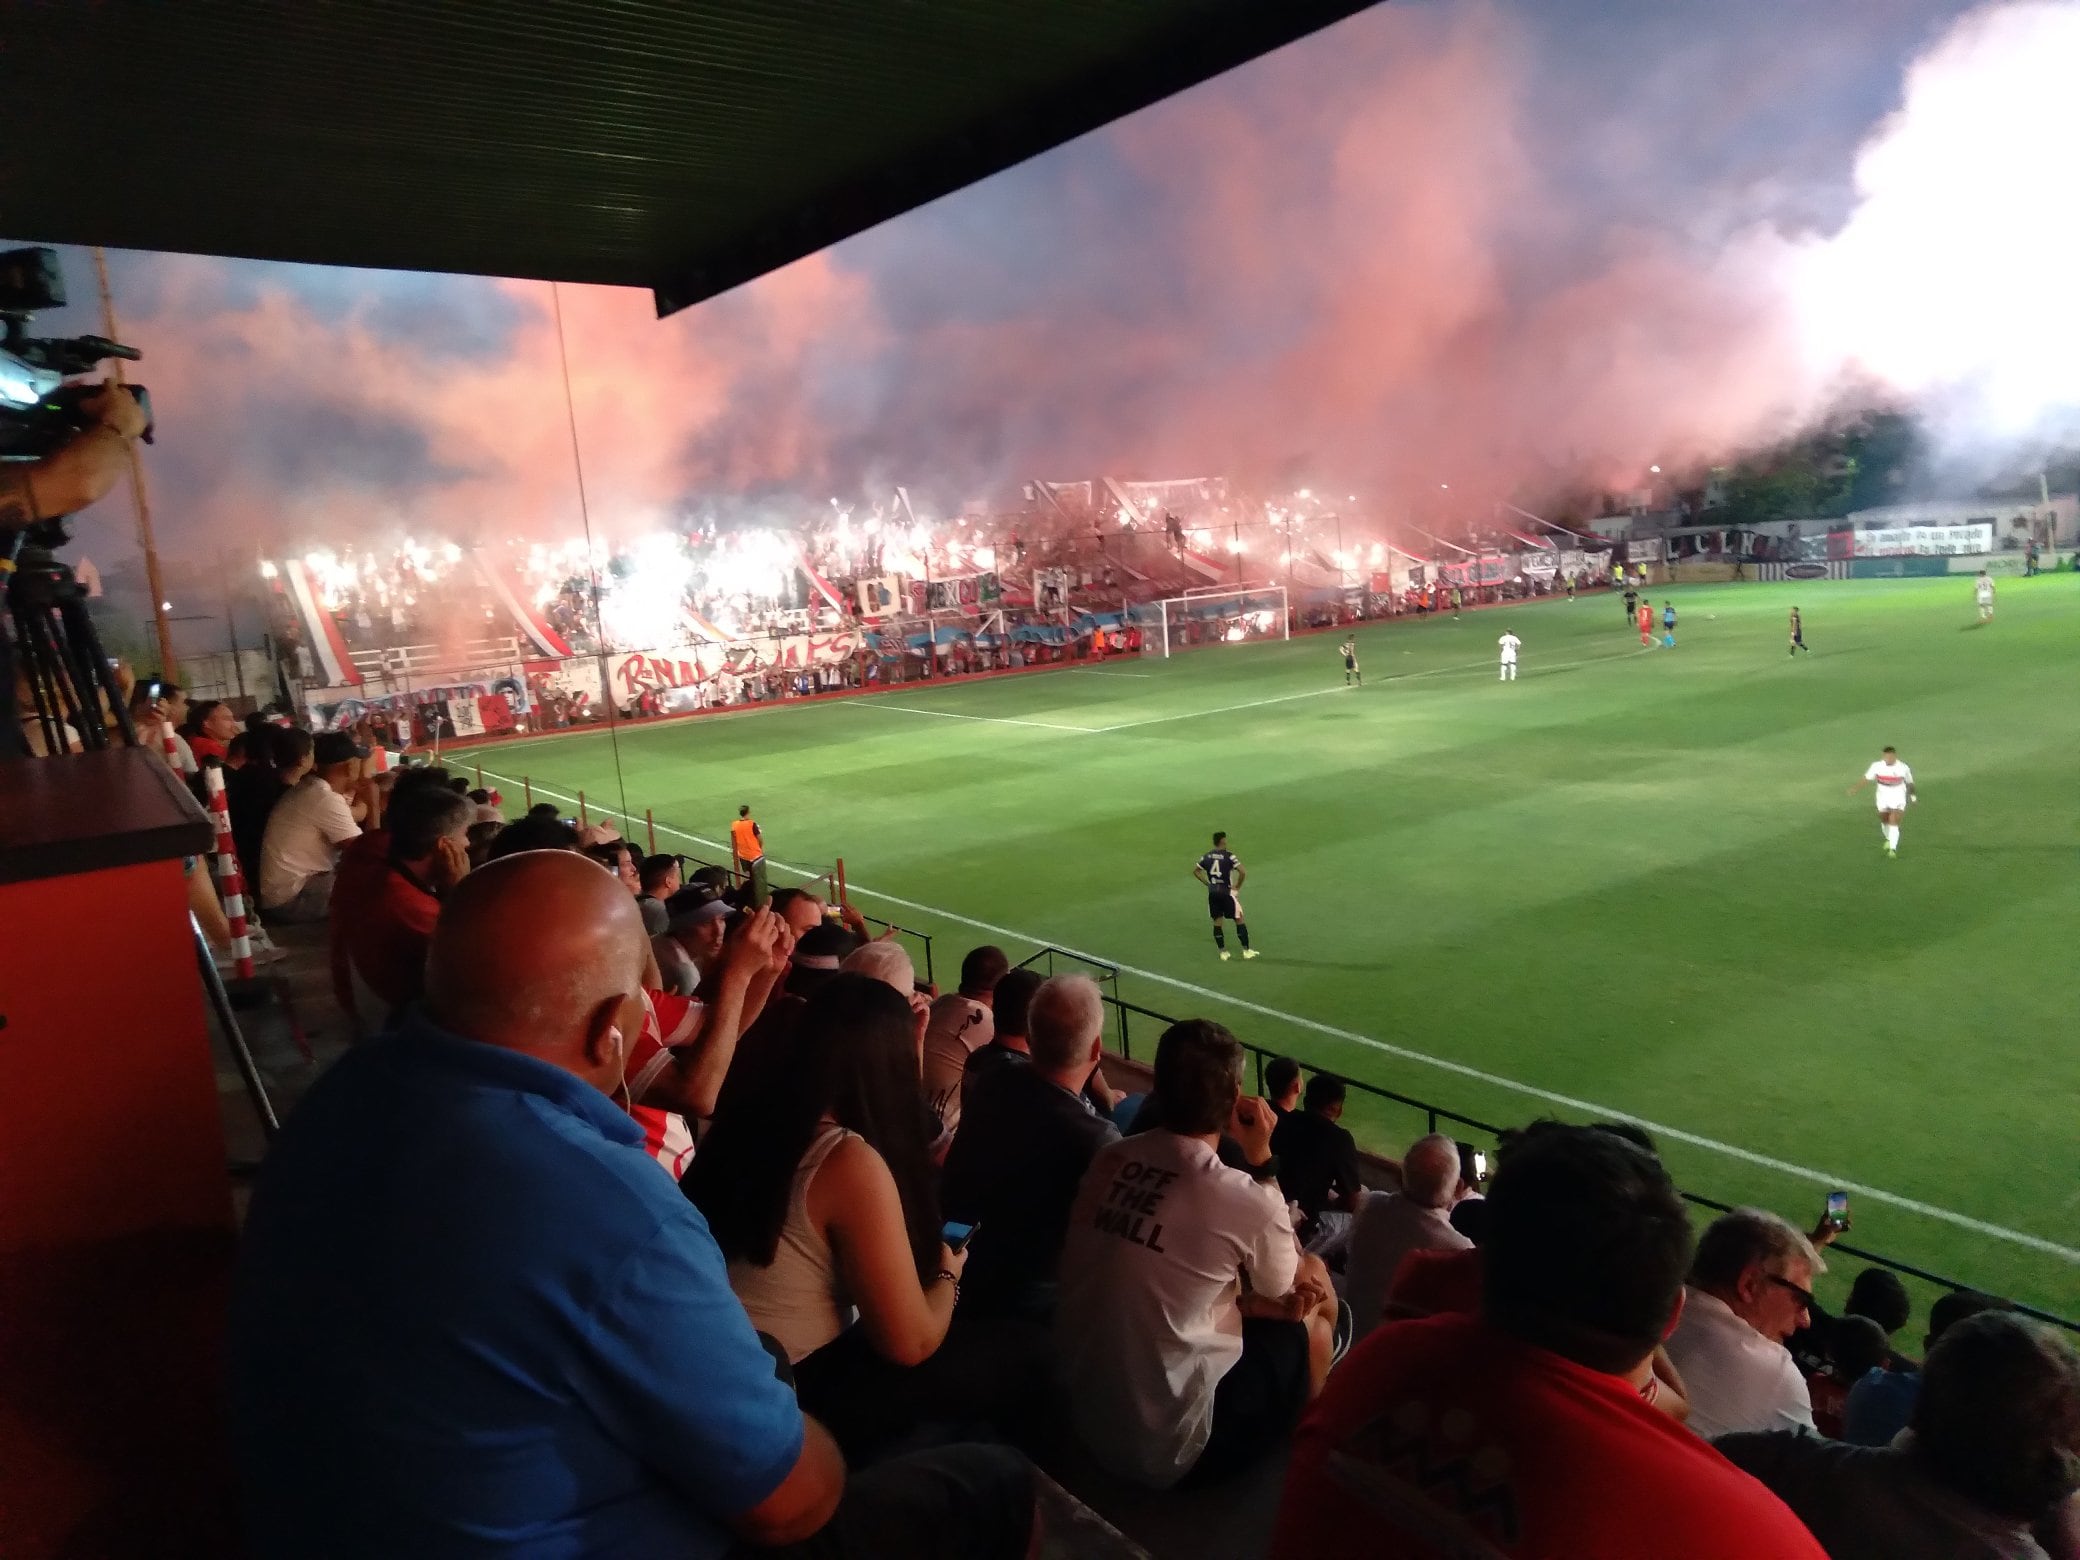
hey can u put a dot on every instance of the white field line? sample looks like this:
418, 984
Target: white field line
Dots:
1588, 1108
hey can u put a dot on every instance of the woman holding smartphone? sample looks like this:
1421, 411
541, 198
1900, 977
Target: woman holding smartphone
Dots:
817, 1182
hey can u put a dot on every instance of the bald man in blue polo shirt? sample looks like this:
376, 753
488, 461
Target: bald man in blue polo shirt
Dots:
474, 1318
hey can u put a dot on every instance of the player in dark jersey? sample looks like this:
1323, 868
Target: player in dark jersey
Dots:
1798, 634
1222, 874
1349, 652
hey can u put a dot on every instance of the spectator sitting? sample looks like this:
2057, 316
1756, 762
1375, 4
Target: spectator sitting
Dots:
279, 756
660, 879
1749, 1289
1432, 1281
158, 710
487, 805
1022, 1149
502, 1320
1007, 1045
816, 1178
483, 834
1856, 1347
1878, 1295
546, 810
299, 851
695, 926
1995, 1452
1282, 1086
800, 909
1318, 1166
619, 858
209, 730
1882, 1401
1524, 1432
1171, 1367
1416, 1218
535, 832
959, 1022
383, 914
817, 956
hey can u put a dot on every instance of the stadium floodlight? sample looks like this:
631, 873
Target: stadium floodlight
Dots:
1212, 616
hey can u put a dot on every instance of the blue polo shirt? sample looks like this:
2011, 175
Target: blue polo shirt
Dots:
473, 1318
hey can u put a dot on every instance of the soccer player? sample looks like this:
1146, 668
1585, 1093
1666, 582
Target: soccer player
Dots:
1895, 783
1798, 634
1646, 625
1222, 874
1668, 625
1631, 599
1510, 644
1984, 590
1351, 674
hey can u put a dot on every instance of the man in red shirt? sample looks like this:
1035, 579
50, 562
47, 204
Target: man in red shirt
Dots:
1522, 1433
386, 899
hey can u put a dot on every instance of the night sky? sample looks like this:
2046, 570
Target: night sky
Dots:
1499, 244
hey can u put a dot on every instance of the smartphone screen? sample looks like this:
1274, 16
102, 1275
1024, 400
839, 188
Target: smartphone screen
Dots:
1480, 1165
1838, 1208
956, 1234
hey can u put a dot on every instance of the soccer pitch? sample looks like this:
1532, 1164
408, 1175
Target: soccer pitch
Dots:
1629, 882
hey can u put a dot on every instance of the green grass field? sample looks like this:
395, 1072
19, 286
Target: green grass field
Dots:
1629, 882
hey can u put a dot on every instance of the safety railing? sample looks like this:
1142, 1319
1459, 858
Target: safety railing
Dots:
1120, 1022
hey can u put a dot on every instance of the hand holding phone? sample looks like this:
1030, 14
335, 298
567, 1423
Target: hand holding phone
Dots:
957, 1235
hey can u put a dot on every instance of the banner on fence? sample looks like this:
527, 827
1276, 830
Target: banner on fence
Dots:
1937, 540
1539, 565
1492, 570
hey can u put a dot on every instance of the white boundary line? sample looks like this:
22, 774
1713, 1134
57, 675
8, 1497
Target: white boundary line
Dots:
1403, 1053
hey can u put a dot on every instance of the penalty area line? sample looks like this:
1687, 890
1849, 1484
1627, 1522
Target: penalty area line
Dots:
1587, 1108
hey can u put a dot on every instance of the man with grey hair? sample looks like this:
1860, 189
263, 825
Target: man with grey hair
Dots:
1026, 1137
1750, 1288
1416, 1218
1990, 1467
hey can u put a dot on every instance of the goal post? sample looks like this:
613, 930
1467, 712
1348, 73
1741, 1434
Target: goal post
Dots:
1234, 615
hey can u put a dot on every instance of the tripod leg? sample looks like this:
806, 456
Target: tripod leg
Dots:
234, 1037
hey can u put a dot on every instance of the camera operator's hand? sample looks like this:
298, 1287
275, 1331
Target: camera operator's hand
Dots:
115, 408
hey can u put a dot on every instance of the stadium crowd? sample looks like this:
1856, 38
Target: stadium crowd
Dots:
655, 1213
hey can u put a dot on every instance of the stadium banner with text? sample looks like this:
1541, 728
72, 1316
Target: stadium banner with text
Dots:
1911, 566
1941, 540
1477, 571
686, 666
1540, 565
2006, 565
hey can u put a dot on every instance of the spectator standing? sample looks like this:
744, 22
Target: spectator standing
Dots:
960, 1022
1416, 1218
1171, 1367
1994, 1457
748, 846
1022, 1150
1881, 1403
1750, 1289
209, 728
1525, 1432
299, 851
659, 879
1007, 1047
509, 1333
1318, 1165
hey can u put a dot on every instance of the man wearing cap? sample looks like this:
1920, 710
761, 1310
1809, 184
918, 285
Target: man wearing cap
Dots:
306, 828
696, 920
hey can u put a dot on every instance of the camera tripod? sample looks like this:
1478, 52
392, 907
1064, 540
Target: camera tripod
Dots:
63, 674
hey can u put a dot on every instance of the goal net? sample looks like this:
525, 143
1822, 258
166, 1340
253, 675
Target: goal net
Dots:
1212, 617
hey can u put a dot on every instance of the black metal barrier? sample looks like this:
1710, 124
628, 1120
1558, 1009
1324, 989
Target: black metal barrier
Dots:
1123, 1012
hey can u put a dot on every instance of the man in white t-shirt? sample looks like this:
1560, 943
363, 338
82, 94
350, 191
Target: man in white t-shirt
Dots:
1190, 1330
1895, 783
1510, 645
300, 849
1984, 591
1750, 1289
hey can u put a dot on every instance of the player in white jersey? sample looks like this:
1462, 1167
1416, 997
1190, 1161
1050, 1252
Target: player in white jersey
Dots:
1984, 591
1895, 783
1510, 644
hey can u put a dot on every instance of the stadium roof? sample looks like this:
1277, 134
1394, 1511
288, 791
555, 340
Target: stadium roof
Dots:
681, 145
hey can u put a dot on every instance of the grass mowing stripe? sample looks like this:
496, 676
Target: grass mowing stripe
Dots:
1588, 1107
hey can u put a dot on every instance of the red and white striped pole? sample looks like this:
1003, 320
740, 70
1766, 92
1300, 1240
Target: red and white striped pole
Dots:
229, 880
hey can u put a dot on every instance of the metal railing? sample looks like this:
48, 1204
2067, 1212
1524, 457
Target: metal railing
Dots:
1122, 1013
